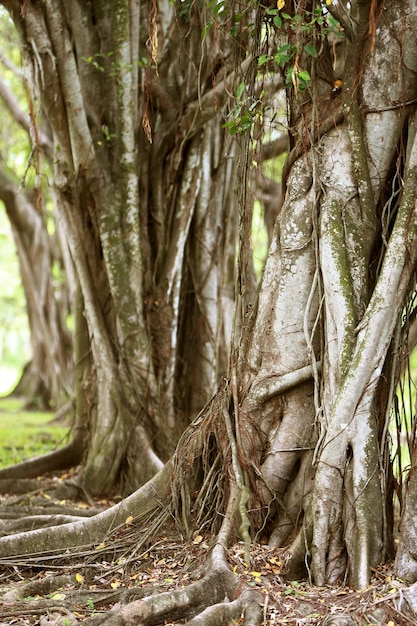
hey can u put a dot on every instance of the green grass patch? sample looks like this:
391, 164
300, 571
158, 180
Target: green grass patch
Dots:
25, 434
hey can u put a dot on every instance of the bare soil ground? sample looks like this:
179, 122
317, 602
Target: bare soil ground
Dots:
69, 589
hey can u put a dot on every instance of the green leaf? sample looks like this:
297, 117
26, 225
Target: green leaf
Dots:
232, 127
277, 21
205, 30
218, 8
310, 49
240, 89
264, 58
285, 48
304, 76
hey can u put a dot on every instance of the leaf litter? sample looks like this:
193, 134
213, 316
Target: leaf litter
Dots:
62, 590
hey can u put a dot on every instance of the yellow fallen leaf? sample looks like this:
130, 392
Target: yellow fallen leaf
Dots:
58, 596
129, 520
198, 539
79, 578
116, 584
101, 546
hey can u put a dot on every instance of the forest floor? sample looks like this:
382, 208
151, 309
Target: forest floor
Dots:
68, 589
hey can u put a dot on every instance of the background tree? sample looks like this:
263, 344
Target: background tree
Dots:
144, 188
46, 380
294, 445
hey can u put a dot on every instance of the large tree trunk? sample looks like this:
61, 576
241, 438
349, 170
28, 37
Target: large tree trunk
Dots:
144, 183
293, 443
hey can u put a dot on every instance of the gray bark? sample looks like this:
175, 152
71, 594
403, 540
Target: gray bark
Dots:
142, 219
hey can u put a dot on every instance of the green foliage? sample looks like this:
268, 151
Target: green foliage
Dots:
308, 27
25, 434
14, 148
245, 112
89, 603
292, 59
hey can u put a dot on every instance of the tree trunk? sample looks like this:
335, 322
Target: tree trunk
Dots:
293, 443
46, 380
144, 186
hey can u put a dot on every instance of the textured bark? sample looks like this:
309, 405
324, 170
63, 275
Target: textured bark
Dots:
292, 445
143, 189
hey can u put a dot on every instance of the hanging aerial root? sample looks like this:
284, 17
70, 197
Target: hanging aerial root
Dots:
240, 481
200, 475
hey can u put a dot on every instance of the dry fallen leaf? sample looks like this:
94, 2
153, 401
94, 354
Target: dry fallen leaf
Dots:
58, 596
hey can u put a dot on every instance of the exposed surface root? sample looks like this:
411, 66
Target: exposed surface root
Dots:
216, 587
91, 531
97, 591
63, 458
137, 575
46, 503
